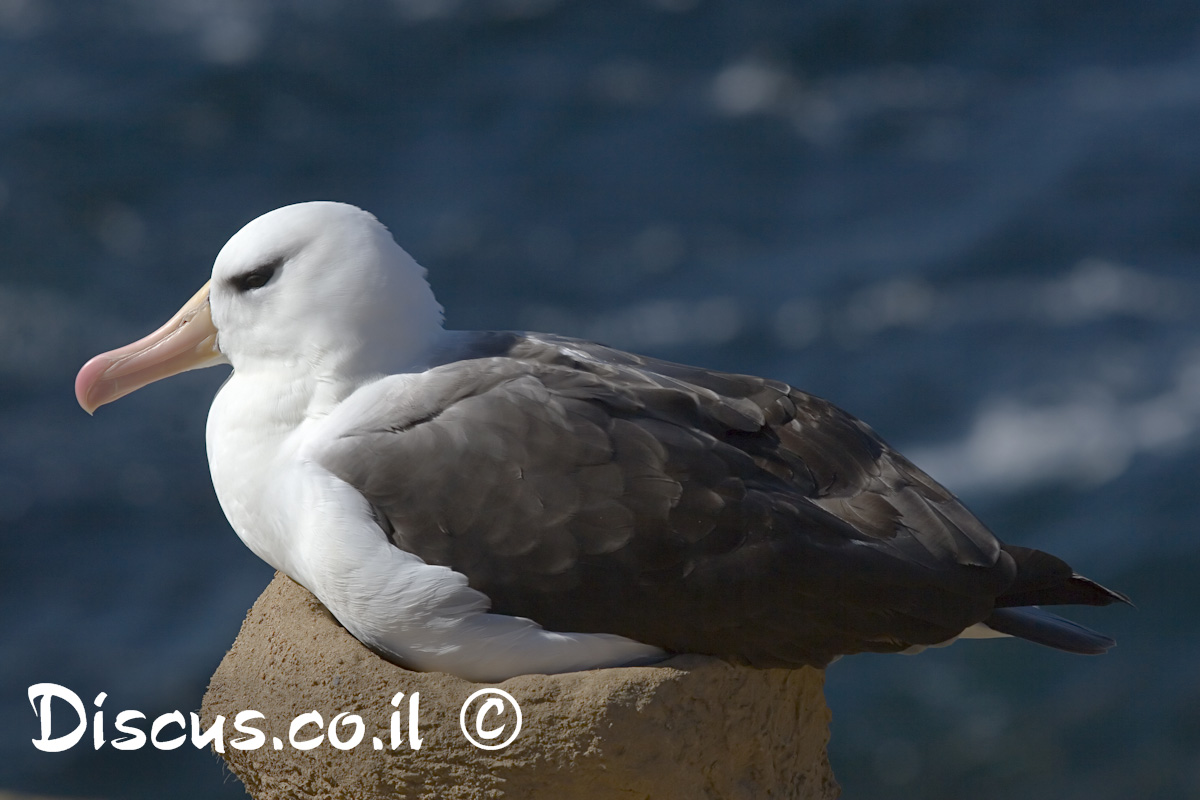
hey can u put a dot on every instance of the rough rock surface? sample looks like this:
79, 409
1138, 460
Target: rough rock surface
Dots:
692, 728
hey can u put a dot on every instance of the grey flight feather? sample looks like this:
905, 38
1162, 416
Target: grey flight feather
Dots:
593, 490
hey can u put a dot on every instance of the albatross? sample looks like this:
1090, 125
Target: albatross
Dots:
490, 504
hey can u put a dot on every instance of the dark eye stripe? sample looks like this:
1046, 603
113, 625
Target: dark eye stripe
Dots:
258, 277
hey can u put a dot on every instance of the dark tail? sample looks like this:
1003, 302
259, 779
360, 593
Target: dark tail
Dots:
1042, 627
1043, 579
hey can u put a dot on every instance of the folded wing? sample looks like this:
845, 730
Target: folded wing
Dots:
596, 491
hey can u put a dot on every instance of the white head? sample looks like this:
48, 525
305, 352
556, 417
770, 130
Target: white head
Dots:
317, 290
320, 284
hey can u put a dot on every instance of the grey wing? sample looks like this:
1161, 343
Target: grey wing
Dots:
596, 491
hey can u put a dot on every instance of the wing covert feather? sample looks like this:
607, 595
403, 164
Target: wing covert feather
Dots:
597, 491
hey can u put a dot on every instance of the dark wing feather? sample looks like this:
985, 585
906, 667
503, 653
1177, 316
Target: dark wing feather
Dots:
593, 490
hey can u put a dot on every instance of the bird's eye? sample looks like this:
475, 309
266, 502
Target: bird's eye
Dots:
258, 277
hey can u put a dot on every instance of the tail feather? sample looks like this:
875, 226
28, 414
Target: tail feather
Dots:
1042, 627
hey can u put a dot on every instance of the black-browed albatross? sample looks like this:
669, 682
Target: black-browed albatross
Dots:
493, 504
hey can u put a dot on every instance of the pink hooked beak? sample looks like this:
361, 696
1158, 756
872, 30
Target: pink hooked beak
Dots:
187, 341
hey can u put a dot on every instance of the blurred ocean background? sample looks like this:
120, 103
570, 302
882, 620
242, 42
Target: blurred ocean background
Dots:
975, 225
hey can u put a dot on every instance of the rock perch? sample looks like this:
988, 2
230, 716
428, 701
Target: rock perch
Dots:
692, 728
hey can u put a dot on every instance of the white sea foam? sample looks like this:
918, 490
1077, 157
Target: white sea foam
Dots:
1088, 439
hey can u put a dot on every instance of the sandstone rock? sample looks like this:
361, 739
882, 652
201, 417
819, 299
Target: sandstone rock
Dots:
691, 728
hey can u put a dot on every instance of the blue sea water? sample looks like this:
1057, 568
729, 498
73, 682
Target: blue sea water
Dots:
975, 225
